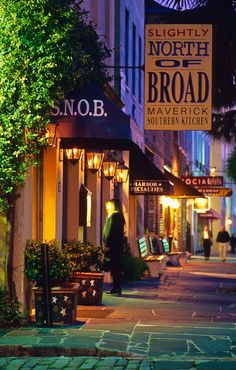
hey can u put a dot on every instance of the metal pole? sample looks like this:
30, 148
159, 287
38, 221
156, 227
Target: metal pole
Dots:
47, 317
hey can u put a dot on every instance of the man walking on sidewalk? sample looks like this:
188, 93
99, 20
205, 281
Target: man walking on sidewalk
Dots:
223, 239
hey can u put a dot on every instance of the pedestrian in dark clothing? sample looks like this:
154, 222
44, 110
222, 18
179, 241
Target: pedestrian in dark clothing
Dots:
113, 238
206, 241
233, 243
223, 239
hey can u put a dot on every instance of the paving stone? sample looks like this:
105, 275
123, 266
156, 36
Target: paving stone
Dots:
216, 365
173, 365
167, 345
60, 363
16, 363
76, 362
2, 362
89, 363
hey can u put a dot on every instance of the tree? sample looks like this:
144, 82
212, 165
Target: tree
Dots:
47, 48
231, 166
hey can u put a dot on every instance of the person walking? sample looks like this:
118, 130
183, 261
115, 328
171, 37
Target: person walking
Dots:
206, 241
223, 239
113, 239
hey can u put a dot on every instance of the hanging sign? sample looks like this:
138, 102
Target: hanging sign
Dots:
203, 181
149, 187
178, 77
201, 204
217, 192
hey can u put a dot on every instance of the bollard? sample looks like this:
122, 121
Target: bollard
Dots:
47, 312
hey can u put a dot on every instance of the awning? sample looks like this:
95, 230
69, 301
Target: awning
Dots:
210, 214
90, 119
145, 177
182, 190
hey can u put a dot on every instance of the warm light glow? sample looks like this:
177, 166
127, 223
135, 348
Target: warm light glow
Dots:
212, 171
201, 204
94, 161
50, 135
73, 154
175, 203
109, 166
122, 172
89, 210
170, 202
228, 222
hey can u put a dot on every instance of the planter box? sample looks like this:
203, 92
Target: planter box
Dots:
63, 303
90, 287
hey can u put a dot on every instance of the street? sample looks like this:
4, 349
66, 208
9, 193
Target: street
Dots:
185, 320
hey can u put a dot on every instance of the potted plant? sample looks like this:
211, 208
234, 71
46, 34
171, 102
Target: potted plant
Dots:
88, 259
63, 291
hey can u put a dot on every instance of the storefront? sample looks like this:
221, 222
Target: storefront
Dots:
89, 164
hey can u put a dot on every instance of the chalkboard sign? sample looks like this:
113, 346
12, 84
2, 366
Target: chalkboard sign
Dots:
166, 245
143, 248
156, 247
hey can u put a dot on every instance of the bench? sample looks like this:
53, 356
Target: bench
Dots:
174, 257
156, 263
160, 246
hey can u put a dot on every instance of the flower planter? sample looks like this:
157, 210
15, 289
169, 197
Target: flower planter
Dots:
63, 303
90, 287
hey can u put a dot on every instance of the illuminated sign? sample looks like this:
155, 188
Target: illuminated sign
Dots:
201, 204
217, 192
149, 187
203, 181
178, 77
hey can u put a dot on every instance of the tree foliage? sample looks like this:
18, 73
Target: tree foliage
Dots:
231, 166
47, 48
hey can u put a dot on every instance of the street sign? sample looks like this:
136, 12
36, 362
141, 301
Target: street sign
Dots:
217, 192
203, 181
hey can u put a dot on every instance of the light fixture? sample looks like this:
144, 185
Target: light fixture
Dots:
170, 202
109, 166
228, 222
212, 171
73, 154
122, 172
94, 160
51, 134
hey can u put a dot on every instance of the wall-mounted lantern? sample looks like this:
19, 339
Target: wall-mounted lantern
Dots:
93, 160
51, 134
122, 172
109, 166
73, 154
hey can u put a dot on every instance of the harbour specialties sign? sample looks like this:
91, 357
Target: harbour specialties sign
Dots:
178, 77
150, 187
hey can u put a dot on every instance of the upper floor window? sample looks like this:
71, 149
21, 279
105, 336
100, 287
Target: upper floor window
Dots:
133, 59
127, 45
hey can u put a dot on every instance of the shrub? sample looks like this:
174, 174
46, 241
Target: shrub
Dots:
10, 315
61, 266
133, 268
86, 256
